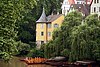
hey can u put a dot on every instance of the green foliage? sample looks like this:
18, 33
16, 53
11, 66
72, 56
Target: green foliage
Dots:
22, 46
56, 33
25, 36
11, 11
65, 52
76, 40
26, 30
50, 6
35, 53
86, 39
61, 44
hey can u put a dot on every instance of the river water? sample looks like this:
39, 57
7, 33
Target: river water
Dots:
15, 62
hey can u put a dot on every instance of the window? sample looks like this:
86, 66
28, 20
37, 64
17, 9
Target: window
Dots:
94, 1
65, 2
49, 25
97, 1
42, 33
64, 10
56, 25
42, 26
99, 17
99, 9
94, 9
78, 2
42, 42
49, 33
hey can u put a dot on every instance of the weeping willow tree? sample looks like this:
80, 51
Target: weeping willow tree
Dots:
75, 40
86, 40
62, 36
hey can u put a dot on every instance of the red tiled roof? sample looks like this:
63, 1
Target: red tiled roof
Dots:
71, 2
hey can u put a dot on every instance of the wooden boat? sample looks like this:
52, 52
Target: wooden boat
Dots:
86, 63
31, 61
61, 64
57, 61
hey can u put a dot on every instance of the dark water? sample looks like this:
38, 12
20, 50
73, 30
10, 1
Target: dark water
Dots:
15, 62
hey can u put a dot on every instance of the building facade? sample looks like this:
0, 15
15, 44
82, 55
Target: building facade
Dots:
45, 26
67, 4
95, 7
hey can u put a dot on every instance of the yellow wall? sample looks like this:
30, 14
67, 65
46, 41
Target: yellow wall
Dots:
45, 29
39, 30
57, 21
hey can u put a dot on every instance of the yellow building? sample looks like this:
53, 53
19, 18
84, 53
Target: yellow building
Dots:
45, 26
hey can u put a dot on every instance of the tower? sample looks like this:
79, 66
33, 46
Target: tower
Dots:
41, 29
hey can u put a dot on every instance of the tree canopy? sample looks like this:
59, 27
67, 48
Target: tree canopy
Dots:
17, 23
11, 11
76, 39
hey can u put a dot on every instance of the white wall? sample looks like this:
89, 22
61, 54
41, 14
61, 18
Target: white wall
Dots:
96, 6
65, 7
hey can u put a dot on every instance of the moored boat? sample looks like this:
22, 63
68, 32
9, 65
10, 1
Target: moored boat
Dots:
31, 61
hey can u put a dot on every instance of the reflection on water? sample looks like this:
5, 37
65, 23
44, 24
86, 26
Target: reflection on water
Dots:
15, 62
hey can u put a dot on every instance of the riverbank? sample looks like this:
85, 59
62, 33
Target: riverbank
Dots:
15, 62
